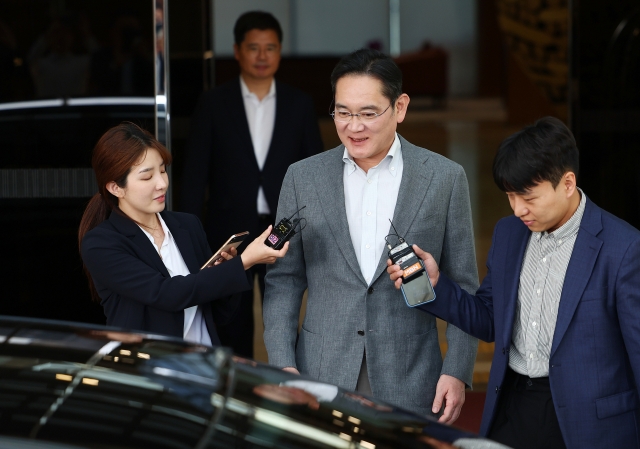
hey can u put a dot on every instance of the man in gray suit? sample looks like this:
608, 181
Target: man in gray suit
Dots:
357, 332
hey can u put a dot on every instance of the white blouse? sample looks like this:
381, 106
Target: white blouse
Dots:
195, 328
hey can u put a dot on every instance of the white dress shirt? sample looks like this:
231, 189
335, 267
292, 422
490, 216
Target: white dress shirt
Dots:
261, 116
370, 200
195, 328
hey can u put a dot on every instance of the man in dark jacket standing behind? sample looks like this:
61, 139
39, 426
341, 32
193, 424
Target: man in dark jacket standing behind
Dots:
244, 135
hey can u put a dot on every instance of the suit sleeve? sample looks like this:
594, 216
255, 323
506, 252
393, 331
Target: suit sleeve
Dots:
195, 177
312, 141
223, 309
285, 283
458, 261
628, 302
471, 313
117, 269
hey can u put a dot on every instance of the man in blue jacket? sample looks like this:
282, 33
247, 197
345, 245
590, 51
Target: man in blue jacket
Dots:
561, 300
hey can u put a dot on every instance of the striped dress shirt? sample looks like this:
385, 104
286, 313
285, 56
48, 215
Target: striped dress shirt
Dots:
541, 278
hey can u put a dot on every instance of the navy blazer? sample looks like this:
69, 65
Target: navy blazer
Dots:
220, 155
136, 289
594, 366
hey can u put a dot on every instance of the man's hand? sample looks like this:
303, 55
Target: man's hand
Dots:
450, 391
395, 273
291, 369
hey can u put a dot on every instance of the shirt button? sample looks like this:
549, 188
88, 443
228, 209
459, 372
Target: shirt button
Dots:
360, 332
531, 355
544, 260
393, 168
534, 324
369, 212
367, 246
559, 241
538, 291
369, 181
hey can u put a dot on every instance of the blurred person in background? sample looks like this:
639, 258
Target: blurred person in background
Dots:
124, 65
59, 60
244, 136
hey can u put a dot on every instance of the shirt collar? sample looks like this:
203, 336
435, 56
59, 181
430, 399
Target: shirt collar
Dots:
167, 233
246, 93
164, 226
571, 227
393, 156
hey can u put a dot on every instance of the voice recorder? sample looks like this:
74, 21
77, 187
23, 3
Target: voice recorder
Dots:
283, 231
416, 287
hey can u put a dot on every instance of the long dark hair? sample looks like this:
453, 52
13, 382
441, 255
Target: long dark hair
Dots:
113, 157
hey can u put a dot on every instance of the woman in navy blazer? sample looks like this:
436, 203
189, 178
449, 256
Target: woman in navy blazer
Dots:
126, 272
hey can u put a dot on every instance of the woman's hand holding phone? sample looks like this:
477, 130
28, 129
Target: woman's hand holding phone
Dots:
224, 255
257, 252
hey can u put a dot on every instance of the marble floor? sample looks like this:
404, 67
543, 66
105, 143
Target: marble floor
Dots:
468, 131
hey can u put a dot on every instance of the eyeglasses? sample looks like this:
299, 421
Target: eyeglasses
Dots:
366, 117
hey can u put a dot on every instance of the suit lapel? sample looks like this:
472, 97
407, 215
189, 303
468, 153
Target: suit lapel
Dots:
283, 108
583, 259
416, 177
127, 227
234, 104
183, 241
330, 186
512, 263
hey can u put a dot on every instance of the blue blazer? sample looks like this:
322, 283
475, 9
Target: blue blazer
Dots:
136, 289
594, 367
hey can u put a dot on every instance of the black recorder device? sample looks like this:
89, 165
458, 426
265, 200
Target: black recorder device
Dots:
283, 231
416, 286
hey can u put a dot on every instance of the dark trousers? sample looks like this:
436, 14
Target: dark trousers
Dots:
238, 333
525, 416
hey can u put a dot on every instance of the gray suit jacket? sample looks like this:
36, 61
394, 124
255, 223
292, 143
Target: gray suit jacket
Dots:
403, 352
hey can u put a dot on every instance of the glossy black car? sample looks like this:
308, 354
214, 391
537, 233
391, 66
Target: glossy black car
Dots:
72, 385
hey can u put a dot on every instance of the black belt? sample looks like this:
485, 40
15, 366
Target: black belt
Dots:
520, 381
